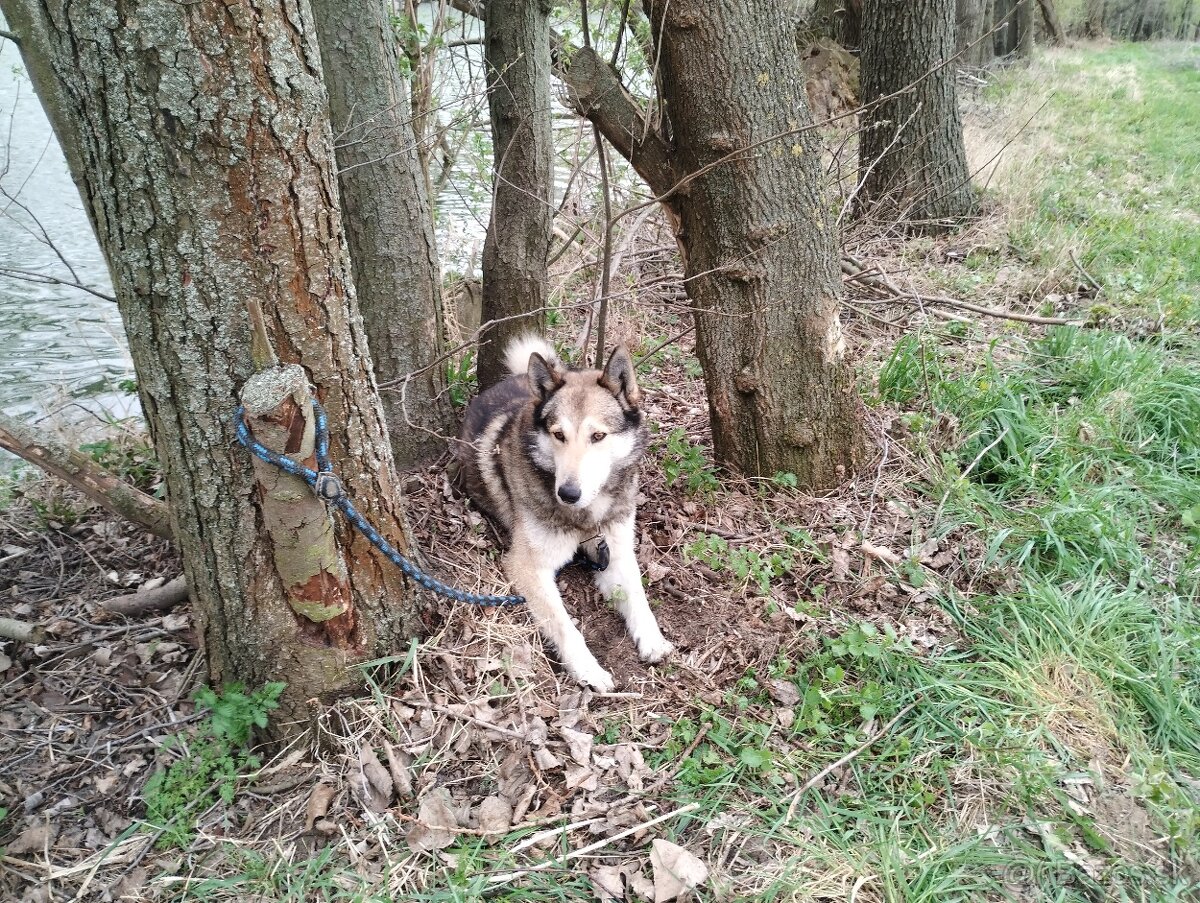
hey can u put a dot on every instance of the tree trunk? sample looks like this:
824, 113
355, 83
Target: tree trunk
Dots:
1005, 37
972, 41
911, 150
199, 138
1025, 28
1053, 25
517, 52
388, 221
1095, 18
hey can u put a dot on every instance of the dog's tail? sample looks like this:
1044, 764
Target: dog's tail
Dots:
516, 355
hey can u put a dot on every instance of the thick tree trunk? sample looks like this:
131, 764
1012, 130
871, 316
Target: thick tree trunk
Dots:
971, 38
199, 138
911, 151
759, 243
1053, 25
517, 51
388, 221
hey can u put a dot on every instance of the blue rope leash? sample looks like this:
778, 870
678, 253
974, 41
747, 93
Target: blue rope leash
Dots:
330, 489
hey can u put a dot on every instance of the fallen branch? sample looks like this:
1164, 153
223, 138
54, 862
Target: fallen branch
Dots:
856, 272
159, 598
21, 631
76, 468
848, 757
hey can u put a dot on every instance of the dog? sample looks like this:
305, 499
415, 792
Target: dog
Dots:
551, 455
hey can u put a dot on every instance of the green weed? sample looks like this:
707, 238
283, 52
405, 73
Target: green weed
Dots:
212, 762
461, 381
683, 461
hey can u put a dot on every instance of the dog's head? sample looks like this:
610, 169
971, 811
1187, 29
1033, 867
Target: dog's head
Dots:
588, 425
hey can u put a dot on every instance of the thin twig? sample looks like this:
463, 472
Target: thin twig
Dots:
1086, 275
592, 847
833, 766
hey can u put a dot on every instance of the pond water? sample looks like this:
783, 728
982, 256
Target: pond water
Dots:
61, 350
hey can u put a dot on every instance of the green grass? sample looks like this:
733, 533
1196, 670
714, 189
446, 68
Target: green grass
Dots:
1122, 182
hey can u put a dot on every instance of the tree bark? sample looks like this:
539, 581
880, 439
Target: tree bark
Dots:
388, 221
517, 53
758, 241
911, 149
972, 41
1025, 28
200, 140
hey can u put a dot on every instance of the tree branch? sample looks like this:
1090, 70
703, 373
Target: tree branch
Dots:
596, 93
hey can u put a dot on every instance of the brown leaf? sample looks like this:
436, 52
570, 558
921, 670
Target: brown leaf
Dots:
495, 815
398, 762
676, 871
318, 804
609, 881
581, 776
839, 563
784, 692
579, 745
436, 826
372, 784
33, 839
631, 767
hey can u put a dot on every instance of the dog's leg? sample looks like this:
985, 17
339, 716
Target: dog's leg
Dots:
531, 564
621, 584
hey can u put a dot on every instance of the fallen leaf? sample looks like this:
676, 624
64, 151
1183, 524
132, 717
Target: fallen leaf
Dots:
495, 815
839, 563
33, 839
631, 767
676, 871
318, 804
545, 759
398, 762
608, 882
372, 784
436, 826
579, 745
571, 709
784, 692
582, 777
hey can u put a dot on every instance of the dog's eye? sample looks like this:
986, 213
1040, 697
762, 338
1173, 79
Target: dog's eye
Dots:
596, 437
559, 435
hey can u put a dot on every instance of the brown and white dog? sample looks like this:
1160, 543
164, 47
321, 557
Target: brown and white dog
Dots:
551, 455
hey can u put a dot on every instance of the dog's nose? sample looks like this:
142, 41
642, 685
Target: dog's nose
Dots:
569, 493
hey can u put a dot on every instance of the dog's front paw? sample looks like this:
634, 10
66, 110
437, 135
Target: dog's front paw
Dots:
582, 665
596, 678
654, 649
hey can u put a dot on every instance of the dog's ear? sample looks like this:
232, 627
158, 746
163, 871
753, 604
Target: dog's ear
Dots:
619, 377
543, 376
